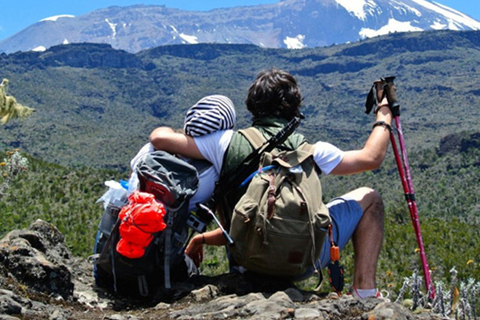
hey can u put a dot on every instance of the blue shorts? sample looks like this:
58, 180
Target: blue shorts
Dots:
346, 215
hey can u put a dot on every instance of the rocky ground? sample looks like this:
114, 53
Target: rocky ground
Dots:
40, 279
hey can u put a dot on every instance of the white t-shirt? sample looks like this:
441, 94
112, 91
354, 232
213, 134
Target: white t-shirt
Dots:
213, 147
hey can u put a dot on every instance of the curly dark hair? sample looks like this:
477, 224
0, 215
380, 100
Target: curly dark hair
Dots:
274, 93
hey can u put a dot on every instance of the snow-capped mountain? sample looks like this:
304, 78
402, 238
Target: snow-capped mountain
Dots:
286, 24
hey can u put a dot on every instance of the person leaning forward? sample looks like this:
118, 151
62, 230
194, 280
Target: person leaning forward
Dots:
274, 99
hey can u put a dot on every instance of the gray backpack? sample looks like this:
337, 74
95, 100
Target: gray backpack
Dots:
279, 224
173, 182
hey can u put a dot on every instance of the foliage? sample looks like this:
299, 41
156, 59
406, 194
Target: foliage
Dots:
62, 196
9, 108
10, 167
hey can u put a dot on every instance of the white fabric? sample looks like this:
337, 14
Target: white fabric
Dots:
327, 156
206, 185
213, 147
144, 150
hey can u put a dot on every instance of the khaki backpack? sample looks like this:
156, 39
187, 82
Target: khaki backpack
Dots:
279, 224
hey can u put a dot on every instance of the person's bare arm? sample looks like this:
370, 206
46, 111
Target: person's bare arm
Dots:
166, 139
195, 247
373, 153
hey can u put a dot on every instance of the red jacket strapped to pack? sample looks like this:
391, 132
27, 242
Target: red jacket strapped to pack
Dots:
141, 218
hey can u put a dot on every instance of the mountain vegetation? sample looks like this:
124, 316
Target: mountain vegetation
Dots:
95, 107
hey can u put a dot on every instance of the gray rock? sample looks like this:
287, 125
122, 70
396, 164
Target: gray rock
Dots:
7, 317
8, 305
35, 257
295, 295
307, 314
39, 279
206, 293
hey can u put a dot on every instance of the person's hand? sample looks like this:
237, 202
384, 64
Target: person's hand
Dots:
195, 249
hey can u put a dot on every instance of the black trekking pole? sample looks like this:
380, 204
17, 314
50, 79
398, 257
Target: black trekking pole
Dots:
388, 88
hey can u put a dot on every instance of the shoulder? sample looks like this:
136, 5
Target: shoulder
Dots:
327, 156
213, 146
217, 139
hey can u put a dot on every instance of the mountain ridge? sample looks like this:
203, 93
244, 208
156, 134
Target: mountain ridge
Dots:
290, 24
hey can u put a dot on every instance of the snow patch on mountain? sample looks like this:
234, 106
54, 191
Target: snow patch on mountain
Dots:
454, 15
295, 42
392, 26
39, 49
406, 9
112, 26
188, 39
55, 18
359, 8
438, 25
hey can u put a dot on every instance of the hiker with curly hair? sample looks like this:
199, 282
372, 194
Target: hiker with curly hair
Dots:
274, 99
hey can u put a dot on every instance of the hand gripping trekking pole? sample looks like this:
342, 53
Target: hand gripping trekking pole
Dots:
404, 171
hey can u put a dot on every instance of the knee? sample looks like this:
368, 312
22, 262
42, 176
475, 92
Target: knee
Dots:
371, 201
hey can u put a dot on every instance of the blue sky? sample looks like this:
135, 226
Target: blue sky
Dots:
19, 14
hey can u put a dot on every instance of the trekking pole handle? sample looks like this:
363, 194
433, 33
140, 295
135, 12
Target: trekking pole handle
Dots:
225, 233
391, 92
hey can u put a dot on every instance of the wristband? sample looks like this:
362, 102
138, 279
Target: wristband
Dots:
203, 238
383, 124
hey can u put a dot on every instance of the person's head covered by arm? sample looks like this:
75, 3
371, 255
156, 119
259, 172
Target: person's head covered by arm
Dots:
209, 114
274, 93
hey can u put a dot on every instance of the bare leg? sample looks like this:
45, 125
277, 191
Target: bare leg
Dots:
368, 237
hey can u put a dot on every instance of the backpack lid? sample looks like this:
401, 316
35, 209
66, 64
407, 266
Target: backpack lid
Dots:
172, 180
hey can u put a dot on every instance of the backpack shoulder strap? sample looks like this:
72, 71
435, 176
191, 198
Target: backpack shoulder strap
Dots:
307, 147
254, 136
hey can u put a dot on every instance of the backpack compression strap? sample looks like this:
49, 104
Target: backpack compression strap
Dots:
227, 183
256, 139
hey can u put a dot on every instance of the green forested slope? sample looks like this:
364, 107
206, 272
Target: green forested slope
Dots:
96, 105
